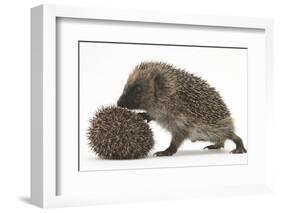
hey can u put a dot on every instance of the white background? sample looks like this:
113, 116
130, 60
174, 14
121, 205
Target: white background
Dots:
102, 65
15, 98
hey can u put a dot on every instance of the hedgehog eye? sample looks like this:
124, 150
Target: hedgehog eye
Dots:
138, 88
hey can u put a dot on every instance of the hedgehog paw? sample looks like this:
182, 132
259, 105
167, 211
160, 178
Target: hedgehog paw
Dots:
145, 116
163, 153
215, 146
239, 150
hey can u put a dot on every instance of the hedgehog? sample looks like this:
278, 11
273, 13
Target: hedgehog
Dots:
118, 133
181, 102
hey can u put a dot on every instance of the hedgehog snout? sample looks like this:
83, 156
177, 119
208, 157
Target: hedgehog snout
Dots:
127, 101
121, 102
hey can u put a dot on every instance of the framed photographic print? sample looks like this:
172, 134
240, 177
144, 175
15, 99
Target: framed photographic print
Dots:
130, 105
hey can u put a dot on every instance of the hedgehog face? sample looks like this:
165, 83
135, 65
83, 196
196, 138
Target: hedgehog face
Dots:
135, 96
144, 86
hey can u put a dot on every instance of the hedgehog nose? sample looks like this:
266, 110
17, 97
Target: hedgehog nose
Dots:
120, 103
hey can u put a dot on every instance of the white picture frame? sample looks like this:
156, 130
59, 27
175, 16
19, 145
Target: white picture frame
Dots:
45, 172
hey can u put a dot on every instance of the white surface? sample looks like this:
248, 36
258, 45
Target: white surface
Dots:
104, 69
89, 186
15, 107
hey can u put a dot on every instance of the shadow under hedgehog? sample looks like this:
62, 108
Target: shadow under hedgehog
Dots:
184, 104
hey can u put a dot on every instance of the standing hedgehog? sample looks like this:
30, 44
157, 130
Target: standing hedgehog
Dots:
182, 103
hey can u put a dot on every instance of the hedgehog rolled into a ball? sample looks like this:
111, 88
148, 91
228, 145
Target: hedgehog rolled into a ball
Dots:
117, 133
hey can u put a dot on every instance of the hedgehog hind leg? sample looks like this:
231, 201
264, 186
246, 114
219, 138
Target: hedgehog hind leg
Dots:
240, 149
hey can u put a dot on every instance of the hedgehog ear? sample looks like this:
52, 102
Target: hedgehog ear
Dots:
158, 84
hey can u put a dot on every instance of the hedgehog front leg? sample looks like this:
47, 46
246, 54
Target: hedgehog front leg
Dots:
173, 148
146, 116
